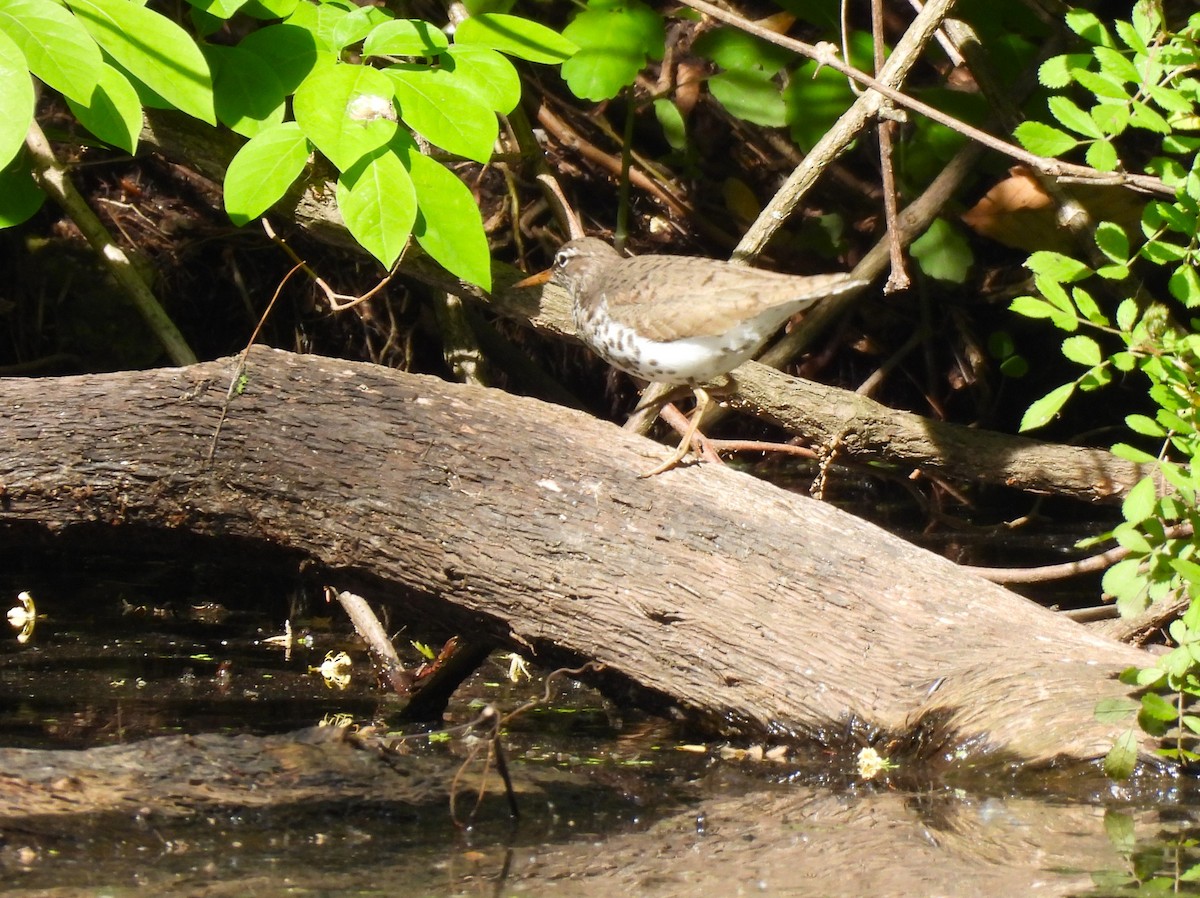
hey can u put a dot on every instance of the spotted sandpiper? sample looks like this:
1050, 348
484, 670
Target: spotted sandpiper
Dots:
678, 319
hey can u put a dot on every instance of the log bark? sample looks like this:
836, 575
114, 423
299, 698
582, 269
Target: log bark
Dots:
710, 596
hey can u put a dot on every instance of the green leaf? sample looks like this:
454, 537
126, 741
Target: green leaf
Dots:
1121, 759
1135, 455
114, 113
1124, 361
1082, 349
732, 48
1102, 156
219, 9
56, 46
1172, 100
1014, 366
153, 49
1088, 27
1057, 267
1146, 21
491, 75
670, 119
1160, 252
1125, 582
1102, 85
1142, 116
444, 108
20, 197
1095, 378
1032, 307
405, 37
515, 36
1188, 570
1112, 241
448, 224
1179, 216
1156, 707
749, 94
1088, 307
16, 99
1111, 118
346, 110
943, 252
1064, 316
1114, 710
1059, 71
1144, 425
263, 169
1130, 537
1127, 314
614, 42
290, 50
1047, 408
1114, 63
379, 204
815, 99
1128, 34
248, 96
354, 26
1071, 116
1184, 285
1044, 140
1148, 676
1140, 501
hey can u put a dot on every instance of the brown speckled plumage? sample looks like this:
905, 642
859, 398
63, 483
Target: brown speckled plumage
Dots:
633, 312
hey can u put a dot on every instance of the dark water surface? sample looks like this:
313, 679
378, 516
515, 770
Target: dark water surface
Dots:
610, 802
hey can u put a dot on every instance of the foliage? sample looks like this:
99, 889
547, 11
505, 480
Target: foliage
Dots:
110, 58
1139, 81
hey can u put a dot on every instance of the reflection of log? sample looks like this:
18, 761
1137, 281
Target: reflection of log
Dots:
179, 775
809, 842
300, 800
709, 595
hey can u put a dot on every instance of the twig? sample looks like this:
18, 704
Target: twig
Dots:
235, 382
1089, 565
822, 53
330, 294
495, 724
898, 278
571, 138
51, 176
367, 625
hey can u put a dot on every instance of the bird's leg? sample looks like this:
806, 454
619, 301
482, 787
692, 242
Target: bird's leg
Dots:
702, 402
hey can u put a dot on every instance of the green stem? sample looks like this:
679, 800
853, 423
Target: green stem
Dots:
51, 176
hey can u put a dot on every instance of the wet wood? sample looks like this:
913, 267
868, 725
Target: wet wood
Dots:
709, 596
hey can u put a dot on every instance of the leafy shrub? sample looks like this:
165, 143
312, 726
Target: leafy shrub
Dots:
354, 76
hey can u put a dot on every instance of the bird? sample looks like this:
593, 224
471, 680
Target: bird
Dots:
682, 320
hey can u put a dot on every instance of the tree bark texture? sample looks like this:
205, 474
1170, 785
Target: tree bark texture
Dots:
709, 595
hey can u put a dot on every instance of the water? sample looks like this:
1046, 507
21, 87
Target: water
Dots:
247, 797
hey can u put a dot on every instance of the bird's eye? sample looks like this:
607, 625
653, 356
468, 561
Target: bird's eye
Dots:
560, 258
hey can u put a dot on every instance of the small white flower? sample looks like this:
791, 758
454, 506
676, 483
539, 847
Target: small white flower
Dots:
517, 667
871, 763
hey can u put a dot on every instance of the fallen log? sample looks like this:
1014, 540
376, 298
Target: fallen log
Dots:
709, 596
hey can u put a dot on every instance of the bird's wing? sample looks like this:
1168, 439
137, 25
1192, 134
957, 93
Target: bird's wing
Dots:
727, 300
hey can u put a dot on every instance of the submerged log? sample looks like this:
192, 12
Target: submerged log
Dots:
708, 595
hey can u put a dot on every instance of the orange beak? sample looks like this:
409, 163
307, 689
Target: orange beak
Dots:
535, 280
